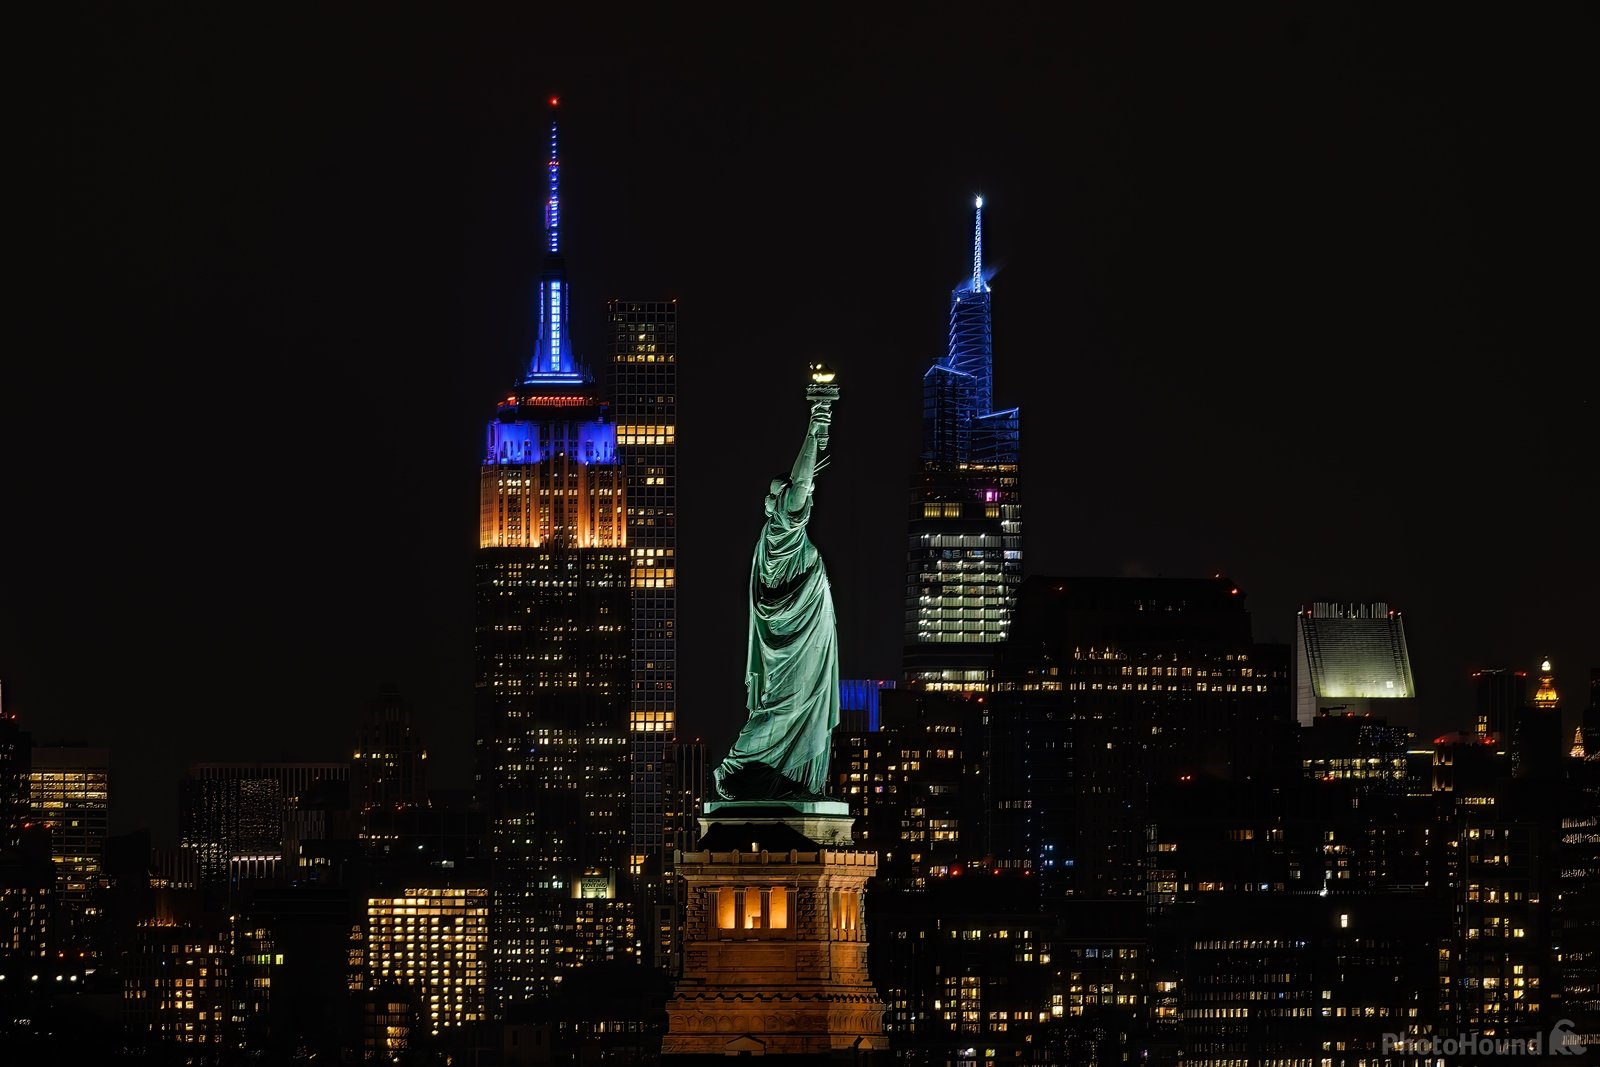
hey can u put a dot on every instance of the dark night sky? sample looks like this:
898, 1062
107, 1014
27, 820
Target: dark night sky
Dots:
1303, 295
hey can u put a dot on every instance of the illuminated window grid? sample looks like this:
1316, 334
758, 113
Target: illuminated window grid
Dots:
435, 941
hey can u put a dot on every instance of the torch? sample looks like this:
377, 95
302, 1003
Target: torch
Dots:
822, 393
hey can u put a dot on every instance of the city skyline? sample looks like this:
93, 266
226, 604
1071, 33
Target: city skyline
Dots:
1309, 338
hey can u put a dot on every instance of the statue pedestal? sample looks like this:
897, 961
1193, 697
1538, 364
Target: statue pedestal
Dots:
824, 822
775, 947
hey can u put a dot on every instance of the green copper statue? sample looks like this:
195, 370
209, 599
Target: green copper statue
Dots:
792, 662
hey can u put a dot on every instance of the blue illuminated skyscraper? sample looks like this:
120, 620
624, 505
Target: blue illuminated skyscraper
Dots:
965, 539
552, 661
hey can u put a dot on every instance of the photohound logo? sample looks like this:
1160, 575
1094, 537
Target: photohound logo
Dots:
1561, 1041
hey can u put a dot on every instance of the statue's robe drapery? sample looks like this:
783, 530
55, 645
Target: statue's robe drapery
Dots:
791, 665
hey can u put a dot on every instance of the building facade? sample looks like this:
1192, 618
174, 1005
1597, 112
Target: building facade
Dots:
69, 791
1351, 657
236, 817
644, 375
433, 941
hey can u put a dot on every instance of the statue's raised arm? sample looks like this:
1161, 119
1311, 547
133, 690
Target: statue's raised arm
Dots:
792, 659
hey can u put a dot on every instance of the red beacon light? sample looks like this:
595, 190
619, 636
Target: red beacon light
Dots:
554, 100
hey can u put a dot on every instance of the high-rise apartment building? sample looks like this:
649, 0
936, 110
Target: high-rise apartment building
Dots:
434, 942
644, 404
552, 649
964, 554
1575, 896
177, 991
69, 790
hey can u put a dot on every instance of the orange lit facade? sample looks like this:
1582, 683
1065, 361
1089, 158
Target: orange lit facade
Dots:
775, 948
551, 476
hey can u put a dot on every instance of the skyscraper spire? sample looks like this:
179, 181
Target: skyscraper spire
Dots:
552, 207
977, 246
552, 359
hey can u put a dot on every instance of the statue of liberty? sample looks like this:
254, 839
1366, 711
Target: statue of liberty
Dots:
792, 660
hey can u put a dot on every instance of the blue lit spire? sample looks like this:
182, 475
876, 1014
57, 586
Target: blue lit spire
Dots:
552, 207
959, 423
977, 248
971, 350
552, 359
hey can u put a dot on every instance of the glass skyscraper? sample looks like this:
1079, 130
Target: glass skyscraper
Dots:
644, 375
964, 552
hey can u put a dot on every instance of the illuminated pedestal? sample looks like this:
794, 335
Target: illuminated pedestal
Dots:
775, 951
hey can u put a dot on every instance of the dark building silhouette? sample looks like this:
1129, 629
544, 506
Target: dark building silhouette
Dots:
1536, 736
1292, 919
1107, 687
389, 767
1498, 693
1575, 903
685, 780
16, 760
1012, 824
240, 819
1589, 727
31, 925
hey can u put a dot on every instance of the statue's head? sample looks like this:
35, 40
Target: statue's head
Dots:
775, 494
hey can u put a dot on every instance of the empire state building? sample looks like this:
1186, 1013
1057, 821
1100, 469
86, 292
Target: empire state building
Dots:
552, 659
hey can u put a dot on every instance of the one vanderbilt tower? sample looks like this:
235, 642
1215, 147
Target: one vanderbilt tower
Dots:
965, 530
551, 648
